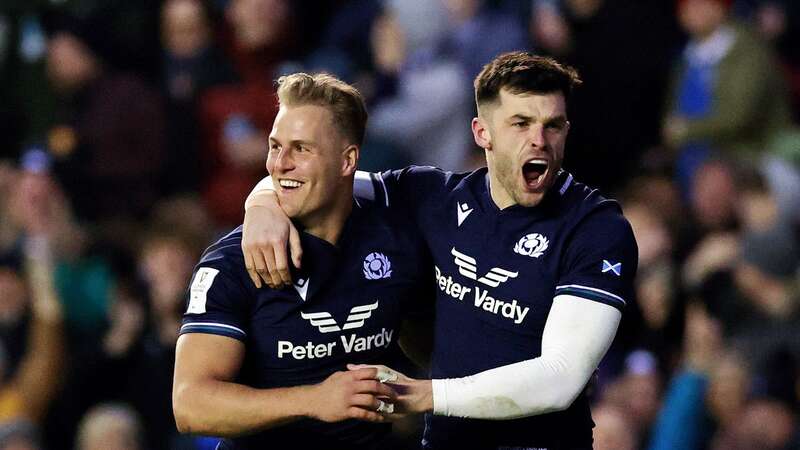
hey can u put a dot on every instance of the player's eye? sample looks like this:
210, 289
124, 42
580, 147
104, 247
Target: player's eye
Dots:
519, 124
274, 147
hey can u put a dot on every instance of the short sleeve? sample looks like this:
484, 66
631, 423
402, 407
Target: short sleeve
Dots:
600, 260
217, 301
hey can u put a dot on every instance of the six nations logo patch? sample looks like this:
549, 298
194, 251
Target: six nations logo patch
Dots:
532, 245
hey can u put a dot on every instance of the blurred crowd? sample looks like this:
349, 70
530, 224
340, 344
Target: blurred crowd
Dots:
132, 131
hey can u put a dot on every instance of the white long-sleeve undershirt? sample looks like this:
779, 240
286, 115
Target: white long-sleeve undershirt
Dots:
576, 336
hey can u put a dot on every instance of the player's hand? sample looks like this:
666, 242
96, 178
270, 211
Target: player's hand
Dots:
354, 394
266, 234
413, 396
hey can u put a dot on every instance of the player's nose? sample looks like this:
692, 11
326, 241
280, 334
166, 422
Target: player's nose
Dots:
284, 160
536, 136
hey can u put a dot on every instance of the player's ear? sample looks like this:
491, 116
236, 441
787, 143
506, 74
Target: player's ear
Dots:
350, 160
481, 133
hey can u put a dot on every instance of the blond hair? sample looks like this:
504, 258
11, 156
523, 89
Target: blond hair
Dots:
343, 100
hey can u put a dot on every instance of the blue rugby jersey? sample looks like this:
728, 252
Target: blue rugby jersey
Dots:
346, 307
497, 272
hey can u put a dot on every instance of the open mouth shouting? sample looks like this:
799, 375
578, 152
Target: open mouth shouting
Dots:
535, 171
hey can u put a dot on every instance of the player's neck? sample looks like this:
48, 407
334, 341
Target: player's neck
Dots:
501, 198
328, 225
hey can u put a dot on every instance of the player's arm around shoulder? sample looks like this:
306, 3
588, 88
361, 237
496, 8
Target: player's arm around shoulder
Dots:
270, 242
266, 233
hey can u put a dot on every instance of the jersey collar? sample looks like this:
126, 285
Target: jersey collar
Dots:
321, 258
551, 199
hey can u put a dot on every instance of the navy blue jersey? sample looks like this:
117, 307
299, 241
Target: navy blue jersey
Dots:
497, 272
346, 307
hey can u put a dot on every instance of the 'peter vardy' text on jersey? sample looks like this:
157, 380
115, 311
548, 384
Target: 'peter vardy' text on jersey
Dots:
346, 307
497, 273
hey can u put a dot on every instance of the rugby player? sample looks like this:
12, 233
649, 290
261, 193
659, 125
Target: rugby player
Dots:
268, 366
533, 270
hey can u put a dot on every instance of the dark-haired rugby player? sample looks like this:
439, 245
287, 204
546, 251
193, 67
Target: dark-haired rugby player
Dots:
533, 270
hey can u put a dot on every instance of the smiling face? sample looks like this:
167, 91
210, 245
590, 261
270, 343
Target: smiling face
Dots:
311, 163
524, 136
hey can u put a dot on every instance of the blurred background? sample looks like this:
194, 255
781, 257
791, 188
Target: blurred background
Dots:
132, 130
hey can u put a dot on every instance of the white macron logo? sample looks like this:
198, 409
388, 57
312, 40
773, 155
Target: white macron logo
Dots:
468, 266
327, 324
302, 287
463, 211
532, 245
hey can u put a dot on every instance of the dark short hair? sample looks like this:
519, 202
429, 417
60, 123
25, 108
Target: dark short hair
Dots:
344, 101
524, 72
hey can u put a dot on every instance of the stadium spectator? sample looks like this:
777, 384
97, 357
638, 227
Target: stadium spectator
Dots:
37, 205
764, 424
470, 22
638, 392
192, 63
713, 197
108, 157
727, 96
20, 435
154, 356
235, 118
341, 48
682, 420
778, 22
657, 287
613, 430
110, 427
766, 274
428, 100
27, 286
623, 50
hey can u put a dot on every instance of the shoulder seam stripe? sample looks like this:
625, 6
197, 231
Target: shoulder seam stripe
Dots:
358, 182
566, 184
596, 290
585, 296
224, 247
385, 192
212, 324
